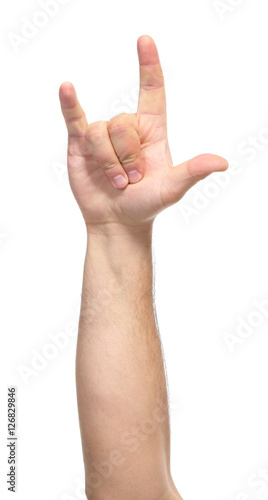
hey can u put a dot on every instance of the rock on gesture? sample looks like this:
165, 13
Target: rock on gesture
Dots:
121, 171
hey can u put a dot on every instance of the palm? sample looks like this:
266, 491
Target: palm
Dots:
161, 184
100, 201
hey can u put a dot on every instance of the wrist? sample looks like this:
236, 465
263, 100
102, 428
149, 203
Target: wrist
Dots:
118, 250
112, 230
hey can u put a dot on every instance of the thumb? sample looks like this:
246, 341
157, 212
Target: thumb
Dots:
182, 177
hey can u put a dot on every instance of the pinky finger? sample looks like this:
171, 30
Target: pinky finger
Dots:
73, 113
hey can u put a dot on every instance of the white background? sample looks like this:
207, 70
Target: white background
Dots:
210, 249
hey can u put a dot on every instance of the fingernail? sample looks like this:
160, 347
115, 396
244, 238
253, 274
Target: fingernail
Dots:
134, 176
120, 181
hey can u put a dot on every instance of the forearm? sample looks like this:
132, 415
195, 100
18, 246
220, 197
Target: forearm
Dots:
121, 384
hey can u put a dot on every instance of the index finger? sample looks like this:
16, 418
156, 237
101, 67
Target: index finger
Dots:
152, 97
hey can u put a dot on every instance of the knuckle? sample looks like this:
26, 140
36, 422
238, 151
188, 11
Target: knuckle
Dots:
96, 131
75, 118
117, 128
130, 158
110, 165
118, 124
122, 123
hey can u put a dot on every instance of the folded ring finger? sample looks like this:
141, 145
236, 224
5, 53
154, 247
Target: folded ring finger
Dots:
123, 131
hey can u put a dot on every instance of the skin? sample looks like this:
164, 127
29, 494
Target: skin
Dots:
121, 382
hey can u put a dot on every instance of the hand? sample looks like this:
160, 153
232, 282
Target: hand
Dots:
121, 171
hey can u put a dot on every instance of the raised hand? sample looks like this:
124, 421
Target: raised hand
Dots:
121, 171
